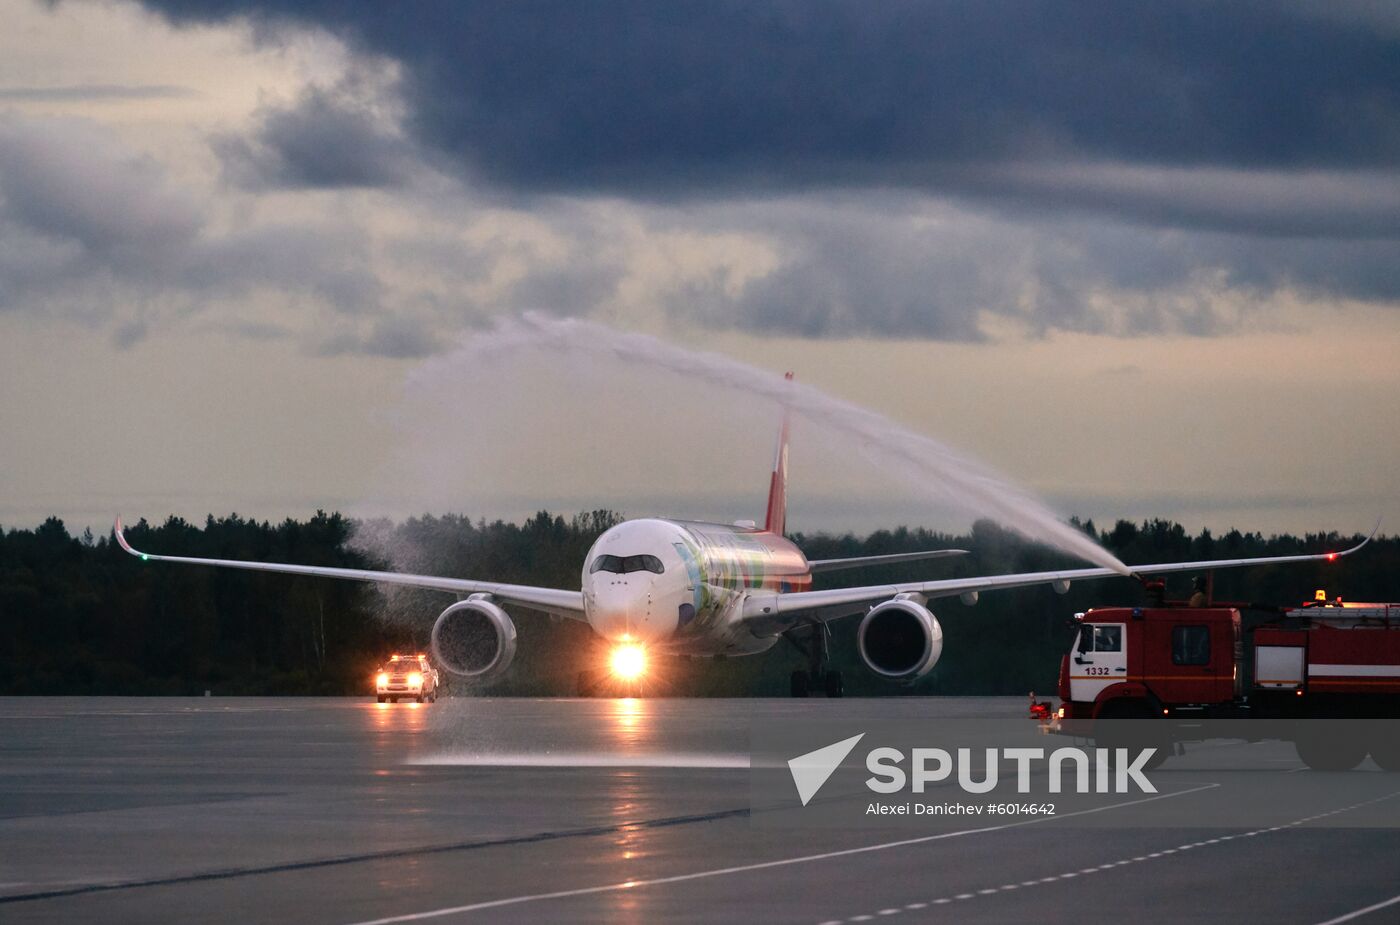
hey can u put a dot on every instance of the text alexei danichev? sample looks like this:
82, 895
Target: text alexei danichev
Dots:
960, 809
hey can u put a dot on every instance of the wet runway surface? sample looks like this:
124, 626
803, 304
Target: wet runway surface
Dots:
344, 811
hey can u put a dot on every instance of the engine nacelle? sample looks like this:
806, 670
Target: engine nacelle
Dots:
900, 640
474, 639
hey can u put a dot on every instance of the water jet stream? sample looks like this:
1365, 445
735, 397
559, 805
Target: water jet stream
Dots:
925, 464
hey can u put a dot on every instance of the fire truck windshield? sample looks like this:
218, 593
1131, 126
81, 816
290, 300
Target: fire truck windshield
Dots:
1101, 639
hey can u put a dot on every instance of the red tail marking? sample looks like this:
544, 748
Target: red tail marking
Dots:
776, 521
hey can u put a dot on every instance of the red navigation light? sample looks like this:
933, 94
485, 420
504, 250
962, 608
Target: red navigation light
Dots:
1331, 557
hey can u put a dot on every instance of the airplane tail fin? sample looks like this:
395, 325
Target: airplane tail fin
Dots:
776, 521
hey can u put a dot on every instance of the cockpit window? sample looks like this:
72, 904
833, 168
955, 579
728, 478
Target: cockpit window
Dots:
621, 565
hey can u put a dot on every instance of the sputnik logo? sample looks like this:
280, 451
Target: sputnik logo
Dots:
812, 770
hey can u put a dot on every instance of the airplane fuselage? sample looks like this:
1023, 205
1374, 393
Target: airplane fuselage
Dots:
679, 586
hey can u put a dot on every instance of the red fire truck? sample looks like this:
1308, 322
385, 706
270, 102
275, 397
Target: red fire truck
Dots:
1172, 662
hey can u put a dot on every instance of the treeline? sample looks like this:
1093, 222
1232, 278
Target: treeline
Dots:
80, 616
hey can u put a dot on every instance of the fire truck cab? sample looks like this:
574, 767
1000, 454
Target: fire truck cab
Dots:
1138, 661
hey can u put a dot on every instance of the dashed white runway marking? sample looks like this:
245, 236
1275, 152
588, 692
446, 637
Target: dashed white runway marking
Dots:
765, 865
1141, 858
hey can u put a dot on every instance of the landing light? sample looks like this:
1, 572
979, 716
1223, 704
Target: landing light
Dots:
628, 661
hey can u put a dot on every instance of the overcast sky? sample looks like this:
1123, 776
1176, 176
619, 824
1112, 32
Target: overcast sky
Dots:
1141, 258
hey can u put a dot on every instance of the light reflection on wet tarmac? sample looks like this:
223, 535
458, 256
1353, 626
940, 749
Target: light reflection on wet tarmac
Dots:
340, 810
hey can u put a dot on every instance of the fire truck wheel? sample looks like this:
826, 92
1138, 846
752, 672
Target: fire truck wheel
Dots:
1323, 752
1133, 727
381, 699
1385, 749
800, 684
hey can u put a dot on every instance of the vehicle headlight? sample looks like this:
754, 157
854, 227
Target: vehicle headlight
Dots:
381, 679
415, 680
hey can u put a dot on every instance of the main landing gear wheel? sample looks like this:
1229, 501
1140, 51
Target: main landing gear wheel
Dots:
833, 684
812, 641
800, 684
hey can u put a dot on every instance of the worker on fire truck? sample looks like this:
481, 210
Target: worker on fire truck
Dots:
1156, 593
1198, 596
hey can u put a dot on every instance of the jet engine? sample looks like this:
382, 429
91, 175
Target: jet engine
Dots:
474, 639
900, 639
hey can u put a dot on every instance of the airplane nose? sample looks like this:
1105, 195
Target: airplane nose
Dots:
624, 607
620, 609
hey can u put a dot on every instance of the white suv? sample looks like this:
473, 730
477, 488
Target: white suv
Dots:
408, 676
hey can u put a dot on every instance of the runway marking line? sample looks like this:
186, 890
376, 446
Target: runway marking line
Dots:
760, 865
58, 892
1204, 843
1350, 916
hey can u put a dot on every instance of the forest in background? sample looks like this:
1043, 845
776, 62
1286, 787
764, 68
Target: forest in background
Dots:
80, 616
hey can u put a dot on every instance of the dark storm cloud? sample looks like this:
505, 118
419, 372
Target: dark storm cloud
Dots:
874, 269
327, 139
65, 180
683, 97
1265, 203
911, 269
93, 232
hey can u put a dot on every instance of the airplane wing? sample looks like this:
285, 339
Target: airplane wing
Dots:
831, 565
770, 613
550, 600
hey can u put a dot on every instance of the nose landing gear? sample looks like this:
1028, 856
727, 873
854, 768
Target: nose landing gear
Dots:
813, 641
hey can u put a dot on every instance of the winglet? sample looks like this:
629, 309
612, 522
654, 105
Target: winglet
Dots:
121, 539
1332, 556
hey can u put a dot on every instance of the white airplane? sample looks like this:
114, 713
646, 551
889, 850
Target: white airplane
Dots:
702, 589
